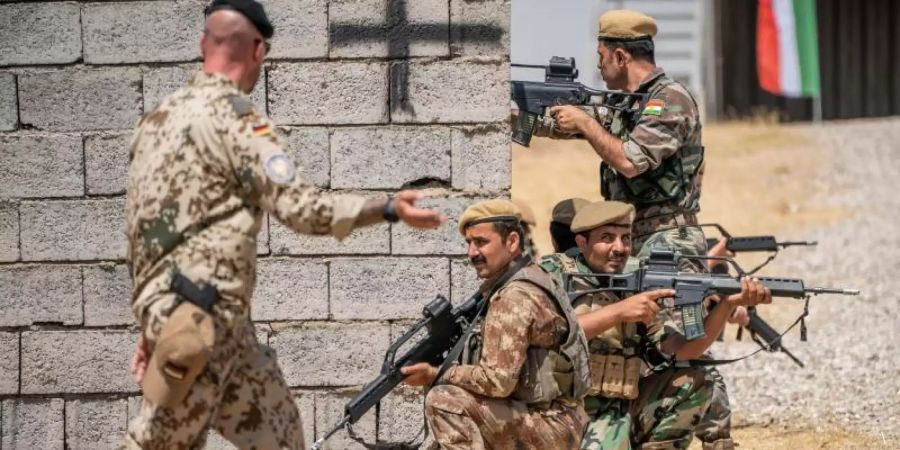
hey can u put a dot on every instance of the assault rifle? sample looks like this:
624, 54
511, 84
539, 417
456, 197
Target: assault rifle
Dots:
445, 325
660, 271
618, 110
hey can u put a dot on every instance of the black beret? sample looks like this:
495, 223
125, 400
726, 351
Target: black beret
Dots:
250, 9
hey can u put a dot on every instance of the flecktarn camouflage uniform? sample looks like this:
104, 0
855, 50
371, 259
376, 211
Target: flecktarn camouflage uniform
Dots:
483, 404
628, 409
204, 168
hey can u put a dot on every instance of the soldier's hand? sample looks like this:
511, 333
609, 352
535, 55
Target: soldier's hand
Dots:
413, 216
419, 374
718, 251
140, 360
753, 292
570, 119
740, 316
642, 307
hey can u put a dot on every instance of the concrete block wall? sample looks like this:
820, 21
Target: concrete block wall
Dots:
370, 96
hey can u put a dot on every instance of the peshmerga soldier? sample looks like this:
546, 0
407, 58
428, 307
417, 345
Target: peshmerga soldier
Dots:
205, 166
524, 370
629, 410
561, 235
654, 165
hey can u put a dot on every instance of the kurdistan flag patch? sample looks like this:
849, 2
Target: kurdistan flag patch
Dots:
654, 107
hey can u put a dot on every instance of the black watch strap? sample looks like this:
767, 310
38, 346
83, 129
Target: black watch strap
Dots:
390, 211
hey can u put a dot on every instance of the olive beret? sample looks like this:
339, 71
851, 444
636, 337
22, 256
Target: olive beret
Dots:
565, 210
250, 9
597, 214
526, 212
626, 25
489, 211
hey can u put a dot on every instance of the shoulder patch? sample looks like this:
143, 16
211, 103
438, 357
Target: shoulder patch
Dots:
279, 168
240, 104
654, 107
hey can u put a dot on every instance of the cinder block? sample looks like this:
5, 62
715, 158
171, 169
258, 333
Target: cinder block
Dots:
387, 28
481, 158
452, 92
9, 363
32, 294
446, 240
9, 231
388, 157
147, 31
329, 93
330, 354
330, 410
385, 288
301, 28
76, 362
308, 148
80, 99
107, 295
60, 230
480, 28
290, 289
95, 424
369, 240
9, 102
106, 162
40, 33
162, 81
402, 417
33, 423
464, 281
41, 165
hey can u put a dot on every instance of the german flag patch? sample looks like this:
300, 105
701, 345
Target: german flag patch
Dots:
654, 107
261, 130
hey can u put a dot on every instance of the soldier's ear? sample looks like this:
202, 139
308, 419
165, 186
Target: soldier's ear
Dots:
582, 243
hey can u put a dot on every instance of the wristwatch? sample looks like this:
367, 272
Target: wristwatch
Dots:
390, 211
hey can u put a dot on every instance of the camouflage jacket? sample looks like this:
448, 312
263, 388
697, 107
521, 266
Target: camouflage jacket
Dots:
204, 167
665, 143
519, 316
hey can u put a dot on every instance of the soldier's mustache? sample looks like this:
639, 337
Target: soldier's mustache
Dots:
477, 259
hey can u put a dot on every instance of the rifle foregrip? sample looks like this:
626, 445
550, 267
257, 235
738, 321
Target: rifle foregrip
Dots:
371, 394
752, 244
785, 287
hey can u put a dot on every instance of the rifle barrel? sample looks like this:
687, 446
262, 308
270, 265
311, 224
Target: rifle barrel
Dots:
792, 243
821, 290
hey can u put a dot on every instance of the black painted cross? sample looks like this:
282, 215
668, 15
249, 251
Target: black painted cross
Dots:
400, 33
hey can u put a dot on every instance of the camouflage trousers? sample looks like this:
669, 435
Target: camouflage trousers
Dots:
242, 394
714, 430
668, 408
461, 420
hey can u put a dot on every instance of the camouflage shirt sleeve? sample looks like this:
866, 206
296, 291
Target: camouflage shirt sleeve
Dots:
665, 124
507, 336
269, 179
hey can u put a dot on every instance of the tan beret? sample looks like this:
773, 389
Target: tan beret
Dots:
626, 25
597, 214
565, 210
489, 211
526, 211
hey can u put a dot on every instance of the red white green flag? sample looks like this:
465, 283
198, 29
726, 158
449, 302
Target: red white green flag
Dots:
787, 49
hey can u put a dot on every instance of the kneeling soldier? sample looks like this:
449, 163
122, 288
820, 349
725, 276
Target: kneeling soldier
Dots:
657, 410
524, 370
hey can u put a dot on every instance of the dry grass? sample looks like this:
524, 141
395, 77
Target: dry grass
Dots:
773, 438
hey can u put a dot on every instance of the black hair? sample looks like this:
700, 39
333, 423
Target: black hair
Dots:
505, 227
563, 238
638, 48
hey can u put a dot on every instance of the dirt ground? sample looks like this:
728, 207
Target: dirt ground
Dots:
760, 179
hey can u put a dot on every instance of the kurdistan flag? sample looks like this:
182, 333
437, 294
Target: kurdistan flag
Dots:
787, 49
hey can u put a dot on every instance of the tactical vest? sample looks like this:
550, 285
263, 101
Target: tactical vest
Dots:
547, 373
666, 183
615, 355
